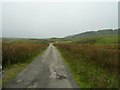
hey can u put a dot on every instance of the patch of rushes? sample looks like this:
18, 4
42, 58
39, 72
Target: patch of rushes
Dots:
17, 56
12, 70
87, 71
13, 53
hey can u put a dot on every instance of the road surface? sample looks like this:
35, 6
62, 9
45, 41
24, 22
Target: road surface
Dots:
47, 71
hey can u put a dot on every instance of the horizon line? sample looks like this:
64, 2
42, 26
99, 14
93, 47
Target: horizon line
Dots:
55, 36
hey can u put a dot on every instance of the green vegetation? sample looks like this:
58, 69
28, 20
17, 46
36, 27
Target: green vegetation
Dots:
17, 55
99, 40
93, 61
92, 56
108, 36
99, 33
12, 71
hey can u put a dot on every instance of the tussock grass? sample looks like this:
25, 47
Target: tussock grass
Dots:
16, 56
14, 53
93, 66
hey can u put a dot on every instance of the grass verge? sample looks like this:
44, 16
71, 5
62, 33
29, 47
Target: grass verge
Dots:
88, 74
12, 70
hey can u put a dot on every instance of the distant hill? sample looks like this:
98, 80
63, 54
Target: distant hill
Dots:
108, 32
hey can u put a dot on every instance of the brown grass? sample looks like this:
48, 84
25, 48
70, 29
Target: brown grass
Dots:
14, 53
92, 66
105, 56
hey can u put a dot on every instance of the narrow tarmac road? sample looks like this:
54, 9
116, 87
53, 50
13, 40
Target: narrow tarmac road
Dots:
47, 71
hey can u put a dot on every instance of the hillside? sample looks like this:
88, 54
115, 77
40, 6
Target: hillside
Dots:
107, 32
92, 58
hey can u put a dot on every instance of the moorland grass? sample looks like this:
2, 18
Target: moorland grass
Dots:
16, 56
92, 66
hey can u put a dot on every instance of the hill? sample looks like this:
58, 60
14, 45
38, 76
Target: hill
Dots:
107, 32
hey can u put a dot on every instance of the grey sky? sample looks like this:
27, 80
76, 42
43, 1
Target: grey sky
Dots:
53, 19
119, 15
0, 20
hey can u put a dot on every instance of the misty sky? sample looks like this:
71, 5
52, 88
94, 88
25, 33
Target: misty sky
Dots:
56, 19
